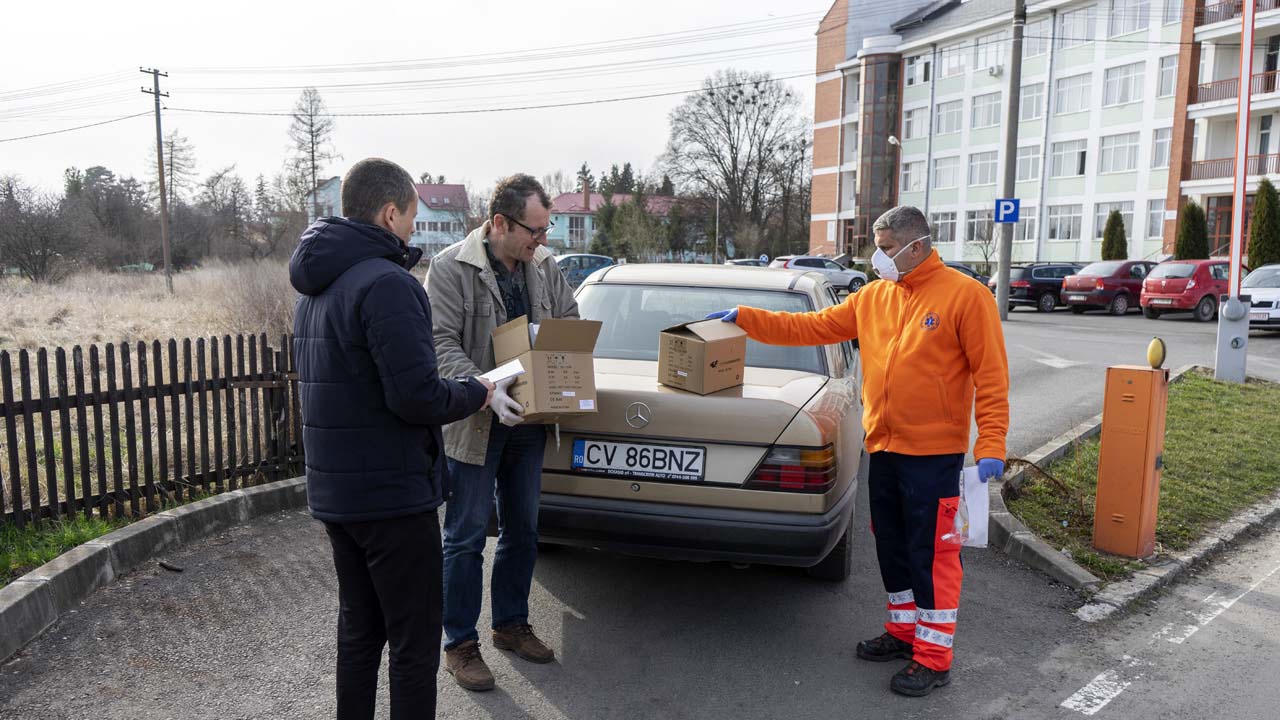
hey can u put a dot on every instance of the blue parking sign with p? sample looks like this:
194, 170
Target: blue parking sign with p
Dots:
1007, 210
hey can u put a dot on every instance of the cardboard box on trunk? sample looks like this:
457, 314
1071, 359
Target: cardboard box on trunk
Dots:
560, 373
702, 357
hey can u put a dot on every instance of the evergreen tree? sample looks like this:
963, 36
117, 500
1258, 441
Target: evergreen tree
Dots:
1264, 227
668, 189
626, 180
1193, 234
584, 174
1114, 244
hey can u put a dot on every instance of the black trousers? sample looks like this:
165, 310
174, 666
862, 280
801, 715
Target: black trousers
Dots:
389, 593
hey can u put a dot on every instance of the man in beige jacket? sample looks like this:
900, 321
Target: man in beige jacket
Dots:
500, 272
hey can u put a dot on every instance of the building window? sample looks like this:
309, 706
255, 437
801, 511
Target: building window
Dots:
1077, 27
944, 227
1161, 142
577, 230
1025, 229
1172, 11
1035, 38
989, 51
1128, 16
986, 111
918, 69
978, 227
1071, 94
1122, 85
1028, 163
446, 199
1067, 159
1155, 218
1103, 210
1063, 222
433, 227
913, 176
946, 172
419, 226
982, 168
1118, 153
953, 59
914, 122
1168, 77
1031, 102
949, 117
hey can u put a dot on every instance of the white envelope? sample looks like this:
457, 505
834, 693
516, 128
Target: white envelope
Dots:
978, 503
502, 372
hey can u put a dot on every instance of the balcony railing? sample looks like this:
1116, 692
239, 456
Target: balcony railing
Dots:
1225, 167
1228, 88
1218, 12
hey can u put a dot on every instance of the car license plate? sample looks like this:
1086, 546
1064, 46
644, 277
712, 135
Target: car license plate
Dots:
1161, 301
1076, 298
623, 459
1259, 317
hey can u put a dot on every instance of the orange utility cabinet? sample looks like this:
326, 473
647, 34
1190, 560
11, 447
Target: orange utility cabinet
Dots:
1130, 460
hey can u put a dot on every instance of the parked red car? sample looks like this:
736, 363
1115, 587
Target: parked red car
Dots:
1113, 285
1185, 285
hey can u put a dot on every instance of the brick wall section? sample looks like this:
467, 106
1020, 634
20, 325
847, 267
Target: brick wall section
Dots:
1180, 150
826, 142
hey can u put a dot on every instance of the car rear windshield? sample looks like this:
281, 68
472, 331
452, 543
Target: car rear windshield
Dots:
1266, 277
1173, 270
1101, 269
780, 262
1019, 273
633, 315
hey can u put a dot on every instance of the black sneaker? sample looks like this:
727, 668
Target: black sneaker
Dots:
884, 648
916, 680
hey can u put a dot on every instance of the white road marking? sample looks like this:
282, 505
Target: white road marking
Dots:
1108, 685
1051, 360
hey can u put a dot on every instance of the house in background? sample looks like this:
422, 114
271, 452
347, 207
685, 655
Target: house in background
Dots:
574, 217
442, 217
327, 198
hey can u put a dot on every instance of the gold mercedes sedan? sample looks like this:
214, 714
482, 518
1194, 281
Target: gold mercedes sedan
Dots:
763, 473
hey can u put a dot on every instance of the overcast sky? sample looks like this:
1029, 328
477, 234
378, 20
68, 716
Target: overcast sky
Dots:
590, 51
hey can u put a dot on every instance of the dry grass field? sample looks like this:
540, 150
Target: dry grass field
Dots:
97, 307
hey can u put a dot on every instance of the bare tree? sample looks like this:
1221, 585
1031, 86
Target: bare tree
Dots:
477, 207
179, 166
728, 140
985, 241
558, 183
34, 236
311, 133
427, 178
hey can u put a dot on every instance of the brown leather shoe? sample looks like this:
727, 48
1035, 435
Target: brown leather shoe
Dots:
468, 668
521, 640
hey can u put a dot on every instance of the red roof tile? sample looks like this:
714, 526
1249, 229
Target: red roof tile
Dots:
443, 197
570, 203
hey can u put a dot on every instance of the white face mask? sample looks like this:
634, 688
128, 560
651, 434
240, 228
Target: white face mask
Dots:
885, 266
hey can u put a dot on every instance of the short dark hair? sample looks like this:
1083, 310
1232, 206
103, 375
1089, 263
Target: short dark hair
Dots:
372, 183
513, 192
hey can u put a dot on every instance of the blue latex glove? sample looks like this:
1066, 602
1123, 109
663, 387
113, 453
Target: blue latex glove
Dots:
725, 315
989, 468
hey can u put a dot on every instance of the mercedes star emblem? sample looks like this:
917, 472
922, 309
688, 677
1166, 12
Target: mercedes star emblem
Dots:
638, 415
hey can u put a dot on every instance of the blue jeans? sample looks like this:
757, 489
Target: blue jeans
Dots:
511, 476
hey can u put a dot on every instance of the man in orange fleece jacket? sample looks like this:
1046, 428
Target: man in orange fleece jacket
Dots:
932, 349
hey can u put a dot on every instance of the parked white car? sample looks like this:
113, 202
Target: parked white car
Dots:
838, 275
1263, 287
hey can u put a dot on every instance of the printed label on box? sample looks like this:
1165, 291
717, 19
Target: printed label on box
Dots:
586, 404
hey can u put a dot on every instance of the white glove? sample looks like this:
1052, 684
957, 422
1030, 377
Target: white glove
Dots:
509, 412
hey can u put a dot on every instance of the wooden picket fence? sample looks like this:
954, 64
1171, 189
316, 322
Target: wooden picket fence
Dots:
128, 429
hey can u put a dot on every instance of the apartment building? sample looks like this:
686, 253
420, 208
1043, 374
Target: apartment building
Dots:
914, 114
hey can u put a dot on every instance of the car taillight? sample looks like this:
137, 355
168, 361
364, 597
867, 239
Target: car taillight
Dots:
1191, 283
796, 470
1020, 283
1097, 284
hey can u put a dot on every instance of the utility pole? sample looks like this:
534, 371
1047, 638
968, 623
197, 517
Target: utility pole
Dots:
1013, 94
164, 198
1233, 317
715, 252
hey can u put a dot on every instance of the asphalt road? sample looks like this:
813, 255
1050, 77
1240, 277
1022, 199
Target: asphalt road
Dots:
247, 630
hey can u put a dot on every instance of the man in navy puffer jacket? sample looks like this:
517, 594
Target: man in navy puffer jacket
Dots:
372, 407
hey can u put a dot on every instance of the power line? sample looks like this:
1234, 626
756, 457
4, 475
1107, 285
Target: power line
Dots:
72, 129
474, 111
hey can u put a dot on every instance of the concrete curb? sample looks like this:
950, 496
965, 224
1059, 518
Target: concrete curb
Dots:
1007, 532
32, 603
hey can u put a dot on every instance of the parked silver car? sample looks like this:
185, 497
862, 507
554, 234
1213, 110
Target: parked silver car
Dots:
837, 274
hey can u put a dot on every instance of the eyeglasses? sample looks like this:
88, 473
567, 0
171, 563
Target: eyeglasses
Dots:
537, 234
